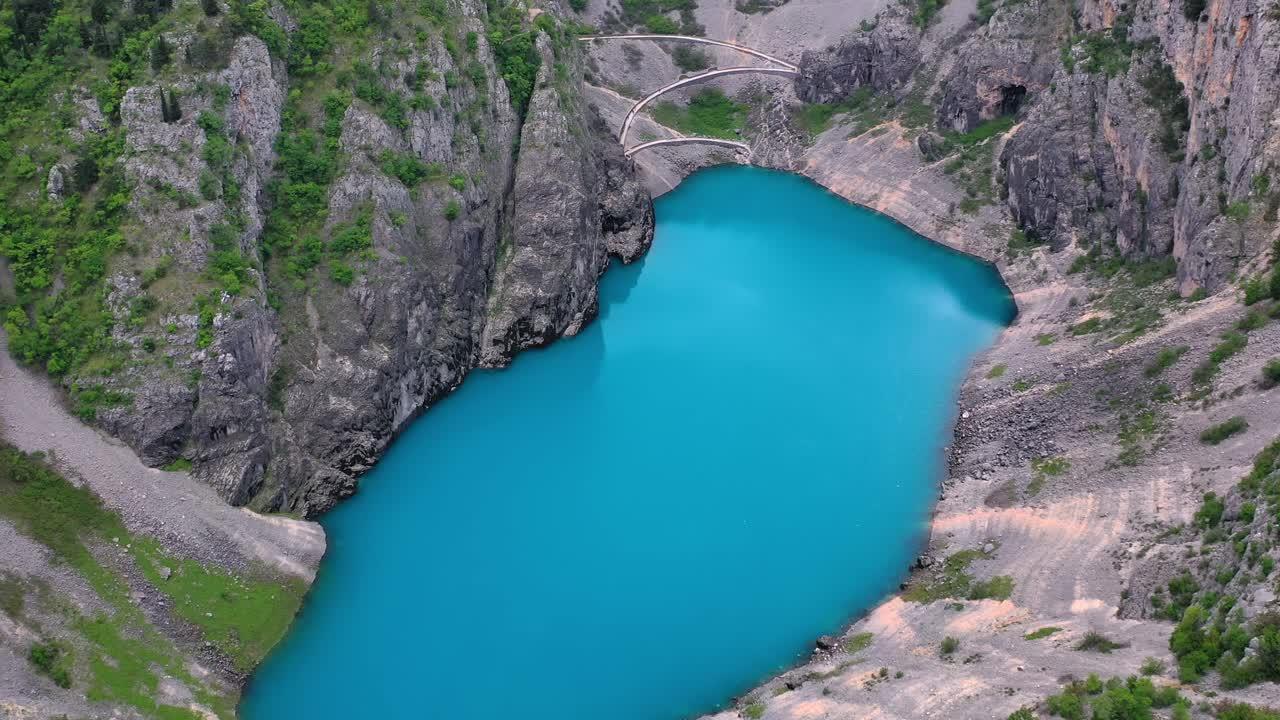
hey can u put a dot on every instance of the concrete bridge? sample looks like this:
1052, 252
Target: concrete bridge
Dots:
786, 69
631, 116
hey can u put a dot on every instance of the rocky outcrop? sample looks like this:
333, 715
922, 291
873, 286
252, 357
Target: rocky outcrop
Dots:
1105, 159
1004, 63
573, 204
487, 232
1139, 132
881, 58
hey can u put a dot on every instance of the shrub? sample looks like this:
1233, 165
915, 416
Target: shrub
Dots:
1271, 373
690, 59
451, 210
1210, 512
949, 645
1223, 430
47, 657
1152, 666
1094, 641
996, 371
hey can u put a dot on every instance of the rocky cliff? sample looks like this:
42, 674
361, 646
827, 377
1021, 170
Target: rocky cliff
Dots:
1141, 130
322, 219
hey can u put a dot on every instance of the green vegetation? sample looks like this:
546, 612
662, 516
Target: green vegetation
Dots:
1223, 430
1103, 51
1116, 699
652, 15
863, 110
180, 465
513, 47
1097, 642
754, 711
954, 581
858, 642
1022, 242
1232, 343
243, 617
1152, 666
690, 59
996, 371
124, 655
1166, 96
1042, 633
971, 165
1271, 373
52, 660
1136, 434
709, 113
1164, 360
926, 11
999, 587
1045, 339
1045, 468
948, 646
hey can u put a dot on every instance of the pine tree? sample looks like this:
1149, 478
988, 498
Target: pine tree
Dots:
160, 53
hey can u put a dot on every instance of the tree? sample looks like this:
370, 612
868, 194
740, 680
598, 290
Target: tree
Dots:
160, 53
210, 7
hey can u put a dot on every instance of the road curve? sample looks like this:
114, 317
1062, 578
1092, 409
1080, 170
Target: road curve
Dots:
705, 41
685, 141
631, 116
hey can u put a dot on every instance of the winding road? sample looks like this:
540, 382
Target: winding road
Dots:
787, 69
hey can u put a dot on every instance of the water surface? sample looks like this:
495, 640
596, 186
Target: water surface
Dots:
642, 521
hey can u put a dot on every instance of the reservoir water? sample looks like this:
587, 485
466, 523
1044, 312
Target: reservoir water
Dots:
642, 521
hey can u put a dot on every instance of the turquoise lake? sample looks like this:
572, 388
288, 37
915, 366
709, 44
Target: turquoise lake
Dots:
645, 520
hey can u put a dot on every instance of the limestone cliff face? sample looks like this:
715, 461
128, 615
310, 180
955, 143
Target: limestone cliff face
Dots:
1119, 178
1108, 151
289, 390
881, 58
572, 206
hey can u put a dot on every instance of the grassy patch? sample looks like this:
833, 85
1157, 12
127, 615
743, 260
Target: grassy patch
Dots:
1042, 633
125, 655
1136, 434
1164, 360
997, 371
999, 587
1045, 339
1215, 434
863, 110
1043, 469
858, 642
52, 660
754, 711
243, 617
1087, 326
709, 114
954, 581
